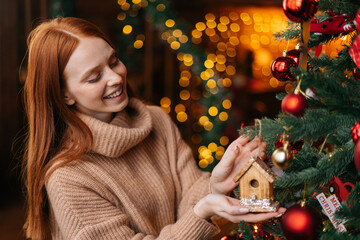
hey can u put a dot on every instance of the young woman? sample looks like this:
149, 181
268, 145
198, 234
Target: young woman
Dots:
102, 165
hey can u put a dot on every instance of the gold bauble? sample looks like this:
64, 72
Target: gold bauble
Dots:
281, 158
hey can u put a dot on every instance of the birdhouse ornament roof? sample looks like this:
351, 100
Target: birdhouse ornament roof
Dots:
261, 166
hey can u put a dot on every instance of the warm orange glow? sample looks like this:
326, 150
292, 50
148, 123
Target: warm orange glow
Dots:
165, 102
138, 44
203, 120
160, 7
211, 24
170, 23
203, 163
224, 20
204, 76
209, 64
224, 140
183, 39
200, 26
212, 57
125, 6
180, 108
234, 16
177, 33
181, 117
226, 104
223, 116
184, 82
184, 94
127, 29
121, 16
211, 83
212, 147
210, 17
213, 111
175, 45
196, 33
208, 126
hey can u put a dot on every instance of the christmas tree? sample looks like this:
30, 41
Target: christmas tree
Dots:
313, 143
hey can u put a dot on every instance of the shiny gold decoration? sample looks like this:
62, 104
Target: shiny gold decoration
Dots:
281, 157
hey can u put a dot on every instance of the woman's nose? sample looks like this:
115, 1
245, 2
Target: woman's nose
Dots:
113, 78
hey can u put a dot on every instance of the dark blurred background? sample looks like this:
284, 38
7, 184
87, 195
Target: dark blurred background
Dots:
154, 76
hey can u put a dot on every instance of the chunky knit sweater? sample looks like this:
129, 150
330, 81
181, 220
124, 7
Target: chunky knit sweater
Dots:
139, 182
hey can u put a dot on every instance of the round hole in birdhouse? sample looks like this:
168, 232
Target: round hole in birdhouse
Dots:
254, 183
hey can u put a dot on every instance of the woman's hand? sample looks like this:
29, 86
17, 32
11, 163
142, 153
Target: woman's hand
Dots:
236, 156
230, 209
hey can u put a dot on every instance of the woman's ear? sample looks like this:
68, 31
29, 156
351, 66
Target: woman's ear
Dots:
68, 100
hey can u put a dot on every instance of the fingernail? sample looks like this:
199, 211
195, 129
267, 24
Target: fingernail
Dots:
243, 210
279, 215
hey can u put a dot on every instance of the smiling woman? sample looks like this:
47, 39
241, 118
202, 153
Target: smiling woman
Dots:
95, 81
100, 164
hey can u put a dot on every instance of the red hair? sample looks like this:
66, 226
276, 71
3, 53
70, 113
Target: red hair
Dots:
54, 131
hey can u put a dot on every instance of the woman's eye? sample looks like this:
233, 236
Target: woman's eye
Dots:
95, 79
115, 63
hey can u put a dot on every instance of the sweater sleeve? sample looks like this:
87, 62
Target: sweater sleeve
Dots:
80, 211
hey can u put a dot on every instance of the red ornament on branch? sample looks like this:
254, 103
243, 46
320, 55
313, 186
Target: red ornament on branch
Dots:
294, 104
295, 55
355, 132
280, 68
301, 222
299, 10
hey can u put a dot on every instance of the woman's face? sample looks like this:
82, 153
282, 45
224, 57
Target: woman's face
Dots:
95, 79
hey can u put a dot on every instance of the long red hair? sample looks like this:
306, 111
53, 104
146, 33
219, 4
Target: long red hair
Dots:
54, 131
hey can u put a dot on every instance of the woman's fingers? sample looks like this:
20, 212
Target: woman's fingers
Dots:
233, 151
230, 208
253, 217
259, 217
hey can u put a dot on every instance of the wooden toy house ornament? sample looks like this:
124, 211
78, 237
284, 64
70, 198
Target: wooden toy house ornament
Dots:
256, 186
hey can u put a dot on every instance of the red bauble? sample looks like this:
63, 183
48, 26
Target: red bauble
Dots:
299, 10
356, 73
299, 223
357, 156
294, 104
280, 69
355, 132
295, 55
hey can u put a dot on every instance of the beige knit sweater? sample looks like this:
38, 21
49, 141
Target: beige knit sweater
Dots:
140, 182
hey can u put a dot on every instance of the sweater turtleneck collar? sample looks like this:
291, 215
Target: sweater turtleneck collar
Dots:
128, 128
